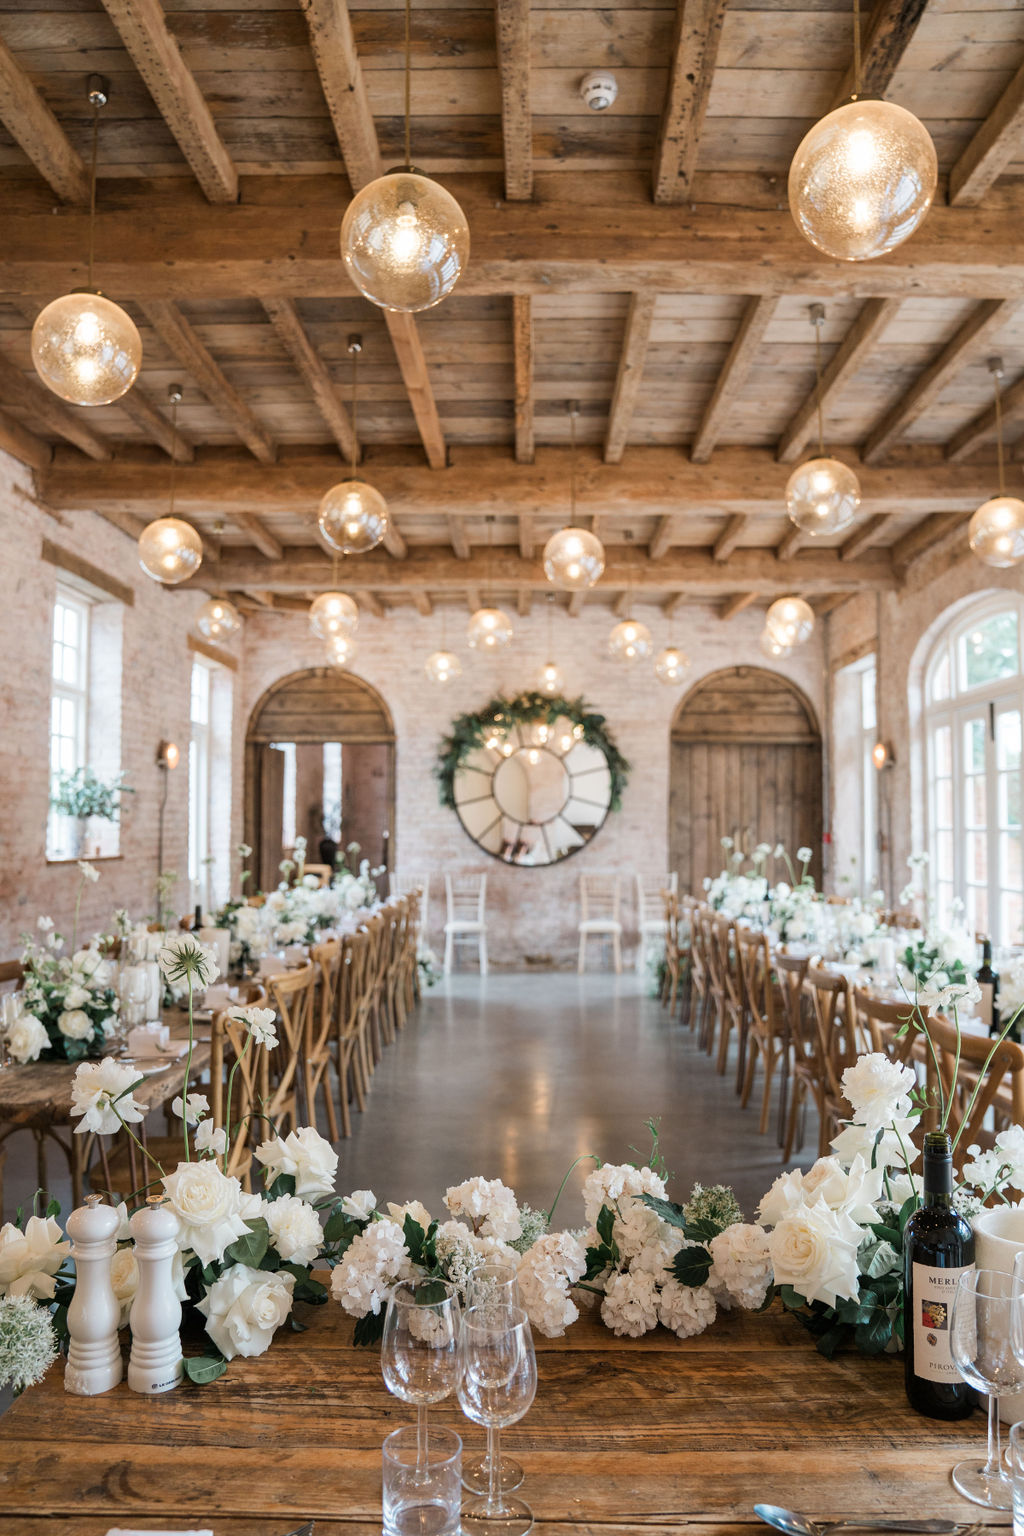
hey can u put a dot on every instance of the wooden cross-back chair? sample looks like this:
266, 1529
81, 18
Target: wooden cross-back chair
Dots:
672, 973
766, 1029
883, 1026
321, 1029
410, 971
12, 975
798, 1026
835, 1049
394, 975
699, 1001
290, 994
1000, 1083
377, 928
730, 1010
352, 1014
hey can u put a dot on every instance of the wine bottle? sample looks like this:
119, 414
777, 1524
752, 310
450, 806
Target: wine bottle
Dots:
988, 980
197, 920
938, 1247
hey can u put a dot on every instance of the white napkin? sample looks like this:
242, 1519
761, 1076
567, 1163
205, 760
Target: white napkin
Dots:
151, 1040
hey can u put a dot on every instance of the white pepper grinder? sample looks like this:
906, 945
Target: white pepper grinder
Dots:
94, 1354
155, 1363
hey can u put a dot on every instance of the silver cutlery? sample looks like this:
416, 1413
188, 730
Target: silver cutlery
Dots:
788, 1521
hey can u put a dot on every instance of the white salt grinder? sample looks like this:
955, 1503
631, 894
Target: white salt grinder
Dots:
155, 1363
94, 1354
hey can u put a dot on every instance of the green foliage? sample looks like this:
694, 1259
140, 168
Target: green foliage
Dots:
204, 1368
691, 1266
470, 731
605, 1254
83, 793
369, 1329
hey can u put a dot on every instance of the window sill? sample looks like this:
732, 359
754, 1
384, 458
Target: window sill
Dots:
86, 858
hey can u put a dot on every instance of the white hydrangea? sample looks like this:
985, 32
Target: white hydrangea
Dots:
489, 1206
375, 1261
294, 1229
459, 1251
686, 1309
630, 1304
547, 1271
878, 1090
608, 1184
657, 1253
741, 1266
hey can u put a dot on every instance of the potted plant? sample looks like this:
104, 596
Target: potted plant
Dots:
82, 794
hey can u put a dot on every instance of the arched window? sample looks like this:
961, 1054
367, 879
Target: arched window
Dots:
974, 704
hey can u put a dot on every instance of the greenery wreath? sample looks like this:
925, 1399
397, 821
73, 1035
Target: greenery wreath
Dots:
530, 708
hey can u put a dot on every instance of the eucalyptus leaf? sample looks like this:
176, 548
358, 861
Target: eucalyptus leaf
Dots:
204, 1368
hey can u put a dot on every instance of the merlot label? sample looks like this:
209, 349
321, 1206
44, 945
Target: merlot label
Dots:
934, 1291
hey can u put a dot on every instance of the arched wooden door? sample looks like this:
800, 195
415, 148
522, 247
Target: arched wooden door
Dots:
746, 764
320, 750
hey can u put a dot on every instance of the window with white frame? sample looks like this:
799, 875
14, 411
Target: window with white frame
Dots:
199, 854
867, 678
855, 812
69, 708
974, 706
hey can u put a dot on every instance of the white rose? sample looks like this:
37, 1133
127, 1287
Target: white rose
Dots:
26, 1038
124, 1276
895, 1150
856, 1192
413, 1208
294, 1229
786, 1192
30, 1259
76, 997
814, 1249
244, 1308
360, 1204
207, 1204
85, 961
75, 1024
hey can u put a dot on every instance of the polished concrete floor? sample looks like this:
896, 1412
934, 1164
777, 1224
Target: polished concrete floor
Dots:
513, 1077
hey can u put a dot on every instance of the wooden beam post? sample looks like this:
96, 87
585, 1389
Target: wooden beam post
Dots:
460, 541
261, 536
698, 33
995, 144
863, 537
789, 543
522, 352
284, 317
22, 444
888, 35
30, 122
19, 389
756, 318
630, 375
371, 602
730, 536
661, 542
736, 604
512, 35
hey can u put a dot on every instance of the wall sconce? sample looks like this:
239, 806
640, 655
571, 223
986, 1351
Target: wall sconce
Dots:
167, 755
881, 756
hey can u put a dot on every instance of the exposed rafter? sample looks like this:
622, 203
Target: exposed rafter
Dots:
730, 535
170, 82
933, 532
263, 539
982, 428
459, 539
22, 444
756, 319
424, 606
862, 538
674, 606
888, 36
473, 599
663, 536
736, 604
522, 352
791, 541
637, 335
524, 602
995, 144
370, 601
512, 34
284, 317
30, 122
19, 389
698, 33
393, 541
576, 601
527, 536
177, 334
857, 344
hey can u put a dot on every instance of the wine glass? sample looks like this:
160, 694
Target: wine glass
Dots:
419, 1353
10, 1010
497, 1384
491, 1285
980, 1344
133, 990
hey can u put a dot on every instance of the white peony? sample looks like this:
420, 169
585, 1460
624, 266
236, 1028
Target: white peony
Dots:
814, 1249
244, 1308
30, 1259
76, 997
413, 1208
304, 1155
741, 1265
360, 1204
207, 1204
630, 1304
26, 1038
608, 1184
99, 1096
294, 1228
75, 1024
547, 1271
374, 1261
686, 1309
878, 1090
489, 1206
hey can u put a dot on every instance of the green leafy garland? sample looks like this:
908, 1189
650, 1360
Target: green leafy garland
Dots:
470, 731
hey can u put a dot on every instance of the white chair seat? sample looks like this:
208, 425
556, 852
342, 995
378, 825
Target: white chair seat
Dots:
600, 925
467, 925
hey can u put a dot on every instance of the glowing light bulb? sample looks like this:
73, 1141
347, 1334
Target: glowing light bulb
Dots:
442, 666
822, 496
87, 329
573, 559
489, 629
86, 349
550, 681
996, 532
353, 517
790, 621
170, 550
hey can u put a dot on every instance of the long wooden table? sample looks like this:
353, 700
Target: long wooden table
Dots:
654, 1433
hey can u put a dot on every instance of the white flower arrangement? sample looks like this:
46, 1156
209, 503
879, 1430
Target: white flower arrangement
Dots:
68, 1001
28, 1343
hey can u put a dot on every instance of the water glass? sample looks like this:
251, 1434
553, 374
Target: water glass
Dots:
497, 1384
983, 1325
133, 990
10, 1011
419, 1352
422, 1501
491, 1285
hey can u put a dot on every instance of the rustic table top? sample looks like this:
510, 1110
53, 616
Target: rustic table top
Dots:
653, 1434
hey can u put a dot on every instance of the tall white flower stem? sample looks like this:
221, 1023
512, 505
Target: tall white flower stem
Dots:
585, 1157
227, 1110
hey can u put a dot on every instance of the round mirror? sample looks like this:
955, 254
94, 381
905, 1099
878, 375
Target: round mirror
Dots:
532, 791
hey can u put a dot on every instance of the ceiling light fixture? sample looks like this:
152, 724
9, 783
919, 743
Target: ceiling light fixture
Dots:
996, 531
489, 629
551, 682
790, 621
443, 666
85, 348
573, 557
353, 516
170, 550
218, 619
332, 614
822, 495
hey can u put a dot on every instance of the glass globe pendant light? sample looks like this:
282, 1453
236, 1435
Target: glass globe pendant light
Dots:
573, 557
864, 177
332, 614
550, 682
671, 665
170, 550
772, 647
404, 238
630, 641
996, 531
790, 621
341, 651
489, 629
85, 348
822, 495
218, 619
353, 516
443, 666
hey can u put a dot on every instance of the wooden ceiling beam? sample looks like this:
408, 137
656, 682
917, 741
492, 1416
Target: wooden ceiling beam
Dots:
995, 144
623, 604
524, 602
284, 317
664, 533
988, 318
370, 601
639, 318
730, 536
424, 606
755, 321
132, 526
261, 536
459, 540
736, 604
512, 35
522, 353
575, 606
22, 444
30, 122
482, 481
790, 542
179, 337
863, 537
394, 542
527, 536
982, 428
851, 356
813, 572
143, 29
674, 606
823, 606
698, 32
23, 390
412, 365
887, 37
474, 601
933, 531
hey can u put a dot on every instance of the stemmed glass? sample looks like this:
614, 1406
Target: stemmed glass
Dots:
984, 1311
10, 1010
419, 1353
497, 1384
133, 990
491, 1285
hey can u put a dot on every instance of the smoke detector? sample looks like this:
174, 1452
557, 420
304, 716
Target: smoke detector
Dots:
599, 90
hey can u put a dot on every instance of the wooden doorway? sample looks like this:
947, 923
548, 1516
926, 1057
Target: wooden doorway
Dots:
319, 753
746, 764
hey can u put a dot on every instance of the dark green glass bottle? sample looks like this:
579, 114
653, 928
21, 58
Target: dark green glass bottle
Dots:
938, 1246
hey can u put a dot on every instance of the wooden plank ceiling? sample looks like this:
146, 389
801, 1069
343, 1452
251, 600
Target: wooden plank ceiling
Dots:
641, 261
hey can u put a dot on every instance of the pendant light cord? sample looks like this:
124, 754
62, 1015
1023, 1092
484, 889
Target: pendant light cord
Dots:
572, 463
408, 84
856, 50
92, 189
817, 370
174, 456
354, 349
999, 435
